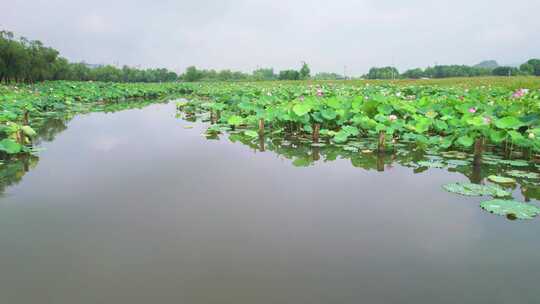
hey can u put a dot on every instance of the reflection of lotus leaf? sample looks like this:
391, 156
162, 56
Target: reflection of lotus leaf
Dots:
469, 189
511, 208
302, 162
251, 133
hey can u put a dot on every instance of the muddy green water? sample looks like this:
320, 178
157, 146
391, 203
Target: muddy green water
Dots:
132, 207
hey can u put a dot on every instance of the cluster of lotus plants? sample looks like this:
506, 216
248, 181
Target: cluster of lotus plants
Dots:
496, 124
430, 116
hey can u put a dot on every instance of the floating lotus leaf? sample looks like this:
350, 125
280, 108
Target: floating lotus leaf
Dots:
511, 209
457, 162
523, 174
515, 163
454, 154
501, 179
431, 164
469, 189
350, 148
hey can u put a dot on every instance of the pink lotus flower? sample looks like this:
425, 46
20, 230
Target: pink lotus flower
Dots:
392, 117
487, 120
520, 93
319, 92
472, 110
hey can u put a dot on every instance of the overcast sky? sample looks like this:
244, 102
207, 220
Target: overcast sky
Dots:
243, 35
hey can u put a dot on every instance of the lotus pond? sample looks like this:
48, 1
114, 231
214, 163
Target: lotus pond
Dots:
190, 201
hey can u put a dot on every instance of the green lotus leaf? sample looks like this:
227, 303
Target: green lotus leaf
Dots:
431, 164
508, 122
455, 154
511, 209
523, 174
465, 141
501, 179
514, 163
251, 133
10, 146
328, 114
458, 162
469, 189
351, 131
340, 137
235, 120
350, 149
302, 109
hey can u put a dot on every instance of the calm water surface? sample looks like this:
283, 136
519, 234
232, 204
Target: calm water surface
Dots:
132, 207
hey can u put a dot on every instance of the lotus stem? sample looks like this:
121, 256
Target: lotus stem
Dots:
380, 145
26, 117
478, 150
316, 130
261, 126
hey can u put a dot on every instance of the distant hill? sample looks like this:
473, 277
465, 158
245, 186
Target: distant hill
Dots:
487, 64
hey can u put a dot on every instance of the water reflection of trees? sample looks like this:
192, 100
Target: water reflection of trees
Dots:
303, 154
13, 168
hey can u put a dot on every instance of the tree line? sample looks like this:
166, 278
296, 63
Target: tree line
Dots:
531, 68
260, 74
23, 60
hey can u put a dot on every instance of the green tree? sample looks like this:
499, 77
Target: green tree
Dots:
264, 74
535, 63
327, 76
383, 73
505, 71
414, 73
527, 69
289, 75
192, 74
305, 71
